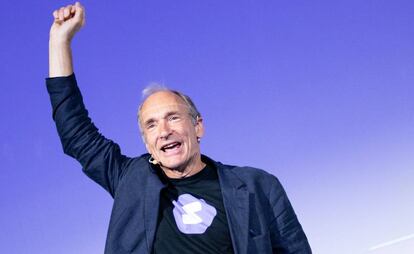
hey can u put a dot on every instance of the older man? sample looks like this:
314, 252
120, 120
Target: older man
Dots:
174, 199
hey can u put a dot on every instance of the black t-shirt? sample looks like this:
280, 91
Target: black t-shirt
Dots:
191, 217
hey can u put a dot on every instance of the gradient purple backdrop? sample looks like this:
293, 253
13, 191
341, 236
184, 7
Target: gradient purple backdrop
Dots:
319, 93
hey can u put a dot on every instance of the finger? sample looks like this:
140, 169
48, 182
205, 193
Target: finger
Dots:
79, 13
66, 11
60, 14
79, 7
72, 9
55, 14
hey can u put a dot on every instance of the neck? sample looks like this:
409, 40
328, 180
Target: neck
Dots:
192, 168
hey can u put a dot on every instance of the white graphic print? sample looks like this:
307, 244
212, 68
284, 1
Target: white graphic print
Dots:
193, 215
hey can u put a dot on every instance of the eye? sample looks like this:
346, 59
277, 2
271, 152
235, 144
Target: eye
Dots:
174, 118
150, 126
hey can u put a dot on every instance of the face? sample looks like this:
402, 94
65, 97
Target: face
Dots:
170, 135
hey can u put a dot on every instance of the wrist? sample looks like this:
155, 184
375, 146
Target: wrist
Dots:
58, 42
60, 58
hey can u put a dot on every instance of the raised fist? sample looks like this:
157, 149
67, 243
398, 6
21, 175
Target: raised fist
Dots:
67, 21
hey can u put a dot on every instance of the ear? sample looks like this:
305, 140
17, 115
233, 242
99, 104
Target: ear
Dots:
199, 127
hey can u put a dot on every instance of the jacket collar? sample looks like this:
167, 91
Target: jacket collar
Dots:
236, 202
152, 202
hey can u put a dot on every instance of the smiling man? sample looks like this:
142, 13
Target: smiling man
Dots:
173, 199
172, 128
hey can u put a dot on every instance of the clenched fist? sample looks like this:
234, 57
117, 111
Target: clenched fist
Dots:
67, 21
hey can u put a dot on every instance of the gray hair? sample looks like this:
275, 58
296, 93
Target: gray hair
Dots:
153, 88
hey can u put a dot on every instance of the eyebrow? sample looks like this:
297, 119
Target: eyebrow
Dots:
170, 113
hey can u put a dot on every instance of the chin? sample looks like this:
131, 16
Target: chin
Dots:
174, 165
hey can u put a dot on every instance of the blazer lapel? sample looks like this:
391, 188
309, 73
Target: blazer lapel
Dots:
152, 200
236, 203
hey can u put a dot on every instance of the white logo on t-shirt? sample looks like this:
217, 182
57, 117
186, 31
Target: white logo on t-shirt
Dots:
193, 215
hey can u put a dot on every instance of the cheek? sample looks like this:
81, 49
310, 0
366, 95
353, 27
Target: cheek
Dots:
148, 148
154, 152
149, 144
192, 140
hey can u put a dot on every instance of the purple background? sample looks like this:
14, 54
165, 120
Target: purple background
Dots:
320, 93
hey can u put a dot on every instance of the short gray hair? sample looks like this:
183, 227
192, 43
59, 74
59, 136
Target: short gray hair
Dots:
153, 88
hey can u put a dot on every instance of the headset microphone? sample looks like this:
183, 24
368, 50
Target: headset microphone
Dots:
153, 161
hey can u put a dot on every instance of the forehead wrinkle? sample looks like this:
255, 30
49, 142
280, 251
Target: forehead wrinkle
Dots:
166, 115
172, 109
162, 96
152, 103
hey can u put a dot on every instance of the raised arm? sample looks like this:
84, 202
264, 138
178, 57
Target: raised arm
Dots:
67, 21
100, 157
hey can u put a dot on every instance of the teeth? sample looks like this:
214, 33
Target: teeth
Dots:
170, 146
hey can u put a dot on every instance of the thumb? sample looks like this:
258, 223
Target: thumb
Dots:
79, 16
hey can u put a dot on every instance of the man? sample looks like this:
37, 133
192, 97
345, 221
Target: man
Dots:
174, 199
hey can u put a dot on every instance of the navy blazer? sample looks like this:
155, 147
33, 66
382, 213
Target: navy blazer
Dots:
260, 216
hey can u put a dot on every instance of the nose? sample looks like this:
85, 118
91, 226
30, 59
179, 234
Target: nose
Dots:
164, 129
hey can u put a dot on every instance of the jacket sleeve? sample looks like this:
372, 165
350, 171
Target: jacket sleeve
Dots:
287, 235
100, 158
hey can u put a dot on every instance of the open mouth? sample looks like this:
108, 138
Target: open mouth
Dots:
171, 147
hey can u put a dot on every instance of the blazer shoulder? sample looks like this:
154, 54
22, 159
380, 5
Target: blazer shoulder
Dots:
136, 165
251, 175
249, 171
